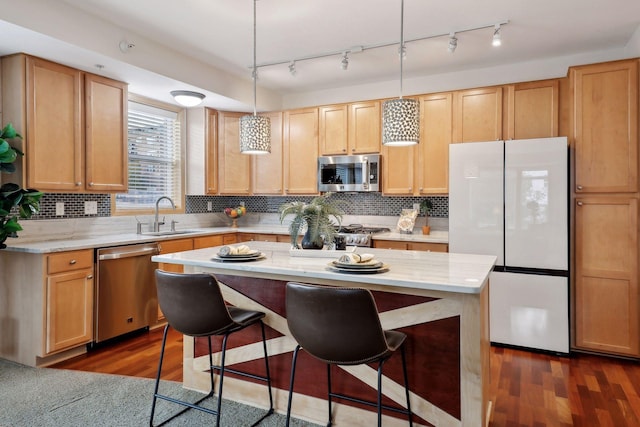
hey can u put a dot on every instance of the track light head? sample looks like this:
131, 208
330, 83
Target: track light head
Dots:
497, 39
453, 42
344, 64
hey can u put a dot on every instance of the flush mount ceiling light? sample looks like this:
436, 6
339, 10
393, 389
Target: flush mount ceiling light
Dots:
187, 98
255, 131
401, 117
497, 39
453, 42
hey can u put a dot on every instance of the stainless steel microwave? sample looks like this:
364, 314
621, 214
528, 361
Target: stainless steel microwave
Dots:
349, 173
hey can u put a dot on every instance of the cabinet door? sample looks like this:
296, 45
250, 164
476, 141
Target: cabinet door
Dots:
390, 244
170, 246
398, 169
69, 310
364, 127
432, 174
606, 127
234, 168
332, 133
606, 284
211, 151
426, 246
54, 153
105, 134
477, 115
532, 110
267, 168
301, 151
207, 241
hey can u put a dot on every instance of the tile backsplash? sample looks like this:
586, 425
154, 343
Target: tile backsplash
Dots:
374, 204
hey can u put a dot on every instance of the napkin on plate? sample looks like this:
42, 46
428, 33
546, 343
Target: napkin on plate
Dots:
235, 250
355, 258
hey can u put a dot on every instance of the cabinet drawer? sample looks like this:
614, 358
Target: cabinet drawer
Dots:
69, 261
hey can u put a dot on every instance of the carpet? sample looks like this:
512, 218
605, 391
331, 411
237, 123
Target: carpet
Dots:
57, 397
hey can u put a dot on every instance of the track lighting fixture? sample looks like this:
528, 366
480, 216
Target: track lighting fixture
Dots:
497, 40
344, 64
453, 42
292, 68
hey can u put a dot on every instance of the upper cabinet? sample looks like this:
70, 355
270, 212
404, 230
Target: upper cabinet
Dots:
74, 125
432, 172
605, 132
300, 157
477, 115
350, 128
210, 151
532, 110
267, 177
234, 168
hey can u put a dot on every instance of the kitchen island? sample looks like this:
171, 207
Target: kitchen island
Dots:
439, 300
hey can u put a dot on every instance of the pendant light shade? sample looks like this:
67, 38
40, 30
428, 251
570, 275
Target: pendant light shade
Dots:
255, 134
255, 131
401, 117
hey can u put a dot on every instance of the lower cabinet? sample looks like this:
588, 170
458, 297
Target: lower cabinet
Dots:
411, 246
607, 299
69, 300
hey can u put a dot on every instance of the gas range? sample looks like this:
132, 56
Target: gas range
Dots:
359, 235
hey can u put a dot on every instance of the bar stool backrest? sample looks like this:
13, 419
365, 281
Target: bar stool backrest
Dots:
336, 325
192, 303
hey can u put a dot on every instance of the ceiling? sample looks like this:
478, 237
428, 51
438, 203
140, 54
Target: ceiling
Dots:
218, 33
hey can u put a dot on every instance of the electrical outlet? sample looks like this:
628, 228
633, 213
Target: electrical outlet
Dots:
90, 207
59, 208
209, 206
416, 206
242, 204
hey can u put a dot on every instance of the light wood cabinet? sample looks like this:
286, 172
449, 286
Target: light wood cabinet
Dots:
607, 298
69, 300
348, 129
432, 172
234, 168
214, 240
398, 169
477, 115
76, 118
412, 246
532, 110
301, 151
211, 151
267, 176
170, 246
605, 132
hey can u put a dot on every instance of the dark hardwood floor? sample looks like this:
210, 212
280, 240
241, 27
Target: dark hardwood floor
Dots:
528, 389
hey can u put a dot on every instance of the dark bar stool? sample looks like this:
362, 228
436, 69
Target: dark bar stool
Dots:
341, 326
193, 305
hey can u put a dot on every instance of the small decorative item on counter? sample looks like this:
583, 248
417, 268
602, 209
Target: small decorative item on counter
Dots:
235, 213
426, 206
407, 220
235, 250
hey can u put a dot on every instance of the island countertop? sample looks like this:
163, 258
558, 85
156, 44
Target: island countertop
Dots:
448, 272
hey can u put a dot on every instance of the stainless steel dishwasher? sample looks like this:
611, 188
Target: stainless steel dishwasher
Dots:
126, 298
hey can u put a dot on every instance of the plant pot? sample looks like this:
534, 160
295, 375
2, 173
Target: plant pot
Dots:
426, 229
311, 243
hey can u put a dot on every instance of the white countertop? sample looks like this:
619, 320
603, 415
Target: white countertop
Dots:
447, 272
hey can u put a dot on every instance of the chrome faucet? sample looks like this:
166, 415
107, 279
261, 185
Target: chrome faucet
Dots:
156, 222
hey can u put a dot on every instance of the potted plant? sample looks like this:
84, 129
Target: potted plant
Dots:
27, 202
425, 207
316, 217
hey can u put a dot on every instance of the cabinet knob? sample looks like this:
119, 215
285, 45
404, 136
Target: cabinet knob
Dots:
421, 189
73, 261
353, 150
78, 184
90, 276
91, 184
579, 187
344, 150
579, 203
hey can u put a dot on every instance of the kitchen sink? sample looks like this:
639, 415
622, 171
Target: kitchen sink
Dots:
168, 232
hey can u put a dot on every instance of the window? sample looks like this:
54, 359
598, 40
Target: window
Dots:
155, 165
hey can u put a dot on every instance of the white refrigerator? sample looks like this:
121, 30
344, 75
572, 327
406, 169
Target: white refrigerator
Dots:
510, 199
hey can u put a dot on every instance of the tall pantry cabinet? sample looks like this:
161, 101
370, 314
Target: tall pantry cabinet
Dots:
605, 201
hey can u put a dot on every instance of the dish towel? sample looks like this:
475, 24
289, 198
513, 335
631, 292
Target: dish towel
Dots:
355, 258
234, 250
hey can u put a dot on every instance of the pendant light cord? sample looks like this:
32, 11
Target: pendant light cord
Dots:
401, 42
255, 71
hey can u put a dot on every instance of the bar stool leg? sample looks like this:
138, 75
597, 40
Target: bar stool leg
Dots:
155, 390
293, 374
329, 394
380, 393
406, 384
266, 363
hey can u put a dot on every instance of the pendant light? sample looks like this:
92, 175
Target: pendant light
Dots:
401, 117
255, 131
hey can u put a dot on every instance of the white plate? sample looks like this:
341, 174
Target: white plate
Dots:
357, 266
259, 256
382, 269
